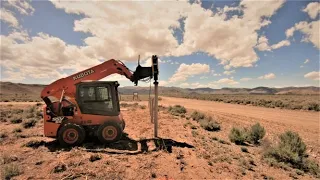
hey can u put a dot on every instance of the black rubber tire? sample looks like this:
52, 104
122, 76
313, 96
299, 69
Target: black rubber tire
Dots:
123, 124
74, 128
113, 126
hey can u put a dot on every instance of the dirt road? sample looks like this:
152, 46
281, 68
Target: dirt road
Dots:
306, 119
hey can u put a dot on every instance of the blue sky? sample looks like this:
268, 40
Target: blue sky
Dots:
197, 42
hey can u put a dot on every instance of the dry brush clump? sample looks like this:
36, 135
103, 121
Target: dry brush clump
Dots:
238, 136
29, 123
9, 171
209, 124
197, 116
206, 122
291, 151
176, 110
254, 135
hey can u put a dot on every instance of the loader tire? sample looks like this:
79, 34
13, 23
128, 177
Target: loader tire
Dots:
109, 132
123, 125
71, 135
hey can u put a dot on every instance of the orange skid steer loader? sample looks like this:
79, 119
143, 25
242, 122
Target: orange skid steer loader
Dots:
79, 104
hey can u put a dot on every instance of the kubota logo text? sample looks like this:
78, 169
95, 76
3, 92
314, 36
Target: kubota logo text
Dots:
83, 74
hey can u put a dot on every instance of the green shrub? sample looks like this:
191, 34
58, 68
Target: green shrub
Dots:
244, 149
215, 138
193, 127
16, 120
291, 150
196, 115
177, 109
29, 123
34, 144
238, 136
209, 124
313, 106
32, 109
3, 135
30, 115
17, 130
223, 141
257, 132
17, 111
10, 171
95, 157
194, 133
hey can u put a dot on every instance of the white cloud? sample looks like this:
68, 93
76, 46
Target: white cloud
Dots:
184, 71
306, 61
115, 77
40, 57
268, 76
163, 83
227, 81
310, 30
263, 44
141, 31
281, 44
220, 40
23, 7
184, 84
290, 31
203, 77
144, 32
314, 75
313, 9
245, 79
216, 74
301, 66
229, 72
8, 17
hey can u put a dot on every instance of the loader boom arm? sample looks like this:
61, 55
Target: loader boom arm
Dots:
67, 86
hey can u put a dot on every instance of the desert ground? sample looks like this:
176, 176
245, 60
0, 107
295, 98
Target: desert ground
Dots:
195, 154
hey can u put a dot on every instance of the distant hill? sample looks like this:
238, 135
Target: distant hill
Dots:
21, 91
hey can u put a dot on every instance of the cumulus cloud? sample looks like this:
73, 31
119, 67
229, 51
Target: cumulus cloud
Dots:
8, 17
115, 77
196, 85
23, 7
144, 32
313, 9
227, 81
245, 79
229, 72
40, 57
281, 44
220, 40
184, 71
263, 44
310, 30
141, 31
203, 77
268, 76
314, 75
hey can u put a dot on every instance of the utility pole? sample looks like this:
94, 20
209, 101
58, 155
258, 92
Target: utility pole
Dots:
155, 71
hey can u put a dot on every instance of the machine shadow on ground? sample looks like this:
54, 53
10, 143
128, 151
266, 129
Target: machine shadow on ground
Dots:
126, 146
